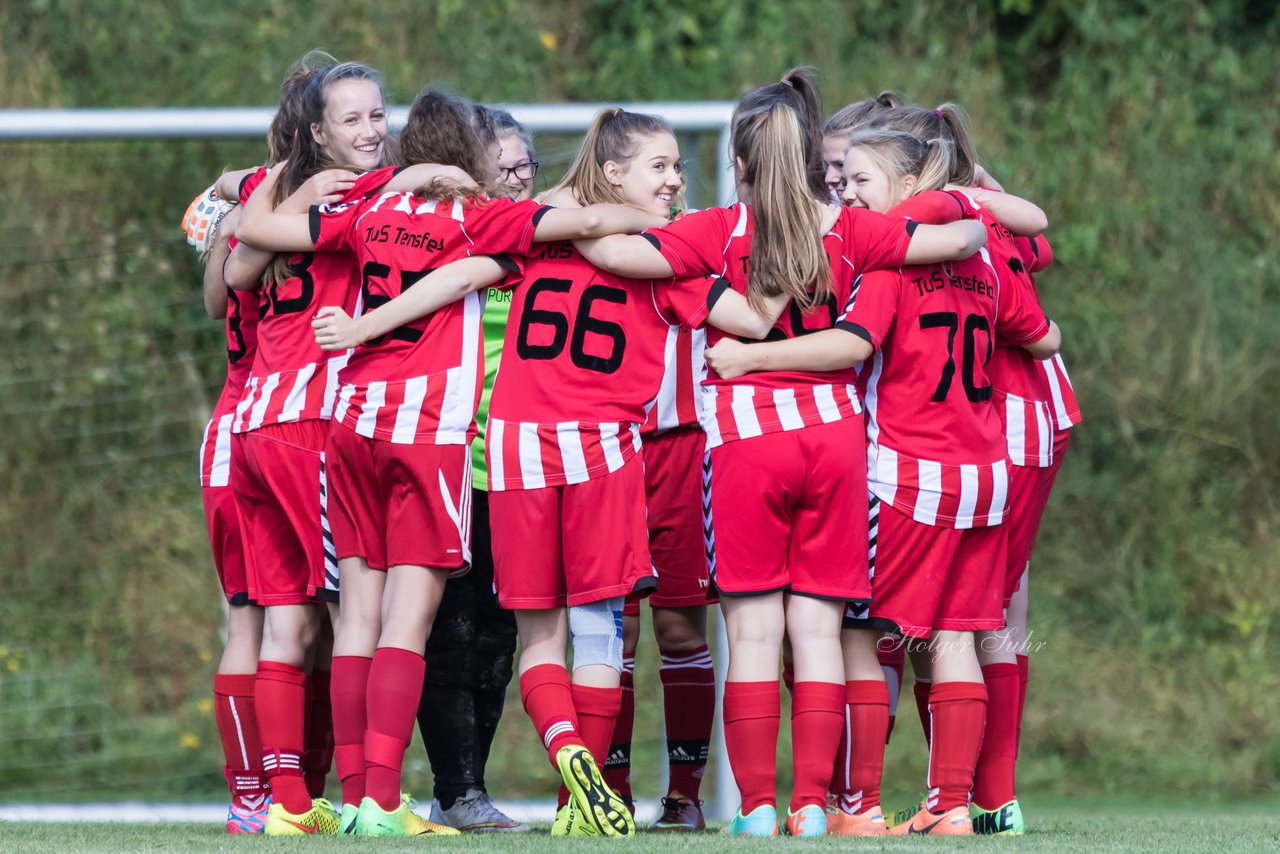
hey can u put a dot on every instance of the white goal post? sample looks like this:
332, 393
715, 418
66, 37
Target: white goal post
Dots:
703, 117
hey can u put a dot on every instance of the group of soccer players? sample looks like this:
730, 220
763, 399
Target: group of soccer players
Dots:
835, 408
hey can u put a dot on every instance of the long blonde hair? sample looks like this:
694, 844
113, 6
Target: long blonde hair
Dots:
776, 137
900, 154
948, 122
614, 135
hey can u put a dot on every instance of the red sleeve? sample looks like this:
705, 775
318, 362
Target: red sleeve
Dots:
933, 207
251, 182
687, 302
1019, 317
369, 182
876, 305
872, 241
333, 227
1035, 251
501, 226
694, 244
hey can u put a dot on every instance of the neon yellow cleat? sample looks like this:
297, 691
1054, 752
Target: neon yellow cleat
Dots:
321, 818
373, 820
593, 801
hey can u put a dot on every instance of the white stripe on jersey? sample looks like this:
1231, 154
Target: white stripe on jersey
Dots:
459, 408
707, 417
415, 391
611, 446
1015, 426
344, 402
296, 400
1046, 438
999, 492
884, 472
744, 411
930, 491
824, 396
575, 461
332, 367
375, 396
784, 401
493, 430
1055, 390
219, 473
968, 502
530, 457
259, 410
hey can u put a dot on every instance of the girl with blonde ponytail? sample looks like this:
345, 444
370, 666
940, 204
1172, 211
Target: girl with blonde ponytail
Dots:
787, 560
938, 474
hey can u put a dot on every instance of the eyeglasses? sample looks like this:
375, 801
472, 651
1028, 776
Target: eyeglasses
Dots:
521, 171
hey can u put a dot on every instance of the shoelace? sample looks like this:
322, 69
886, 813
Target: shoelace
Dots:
671, 808
483, 805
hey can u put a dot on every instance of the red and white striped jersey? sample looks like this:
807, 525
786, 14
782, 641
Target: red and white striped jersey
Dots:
421, 383
717, 241
935, 442
242, 343
293, 379
679, 400
583, 359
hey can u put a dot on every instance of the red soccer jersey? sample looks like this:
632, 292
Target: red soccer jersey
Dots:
717, 241
679, 400
934, 440
420, 383
582, 362
292, 378
242, 347
242, 343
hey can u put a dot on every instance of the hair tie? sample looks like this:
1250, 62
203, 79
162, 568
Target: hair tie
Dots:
937, 112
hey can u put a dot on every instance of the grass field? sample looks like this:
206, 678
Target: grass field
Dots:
1130, 825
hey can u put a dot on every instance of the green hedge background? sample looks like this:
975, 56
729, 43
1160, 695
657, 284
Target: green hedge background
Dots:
1147, 130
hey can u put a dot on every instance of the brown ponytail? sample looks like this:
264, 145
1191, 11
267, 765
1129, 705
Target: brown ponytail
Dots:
775, 135
450, 131
614, 135
852, 117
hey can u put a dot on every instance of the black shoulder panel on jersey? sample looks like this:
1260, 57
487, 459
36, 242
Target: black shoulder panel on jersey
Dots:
506, 263
911, 227
397, 170
313, 222
539, 214
717, 290
849, 326
243, 181
653, 240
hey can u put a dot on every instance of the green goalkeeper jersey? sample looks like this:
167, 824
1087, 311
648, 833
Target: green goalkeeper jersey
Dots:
497, 308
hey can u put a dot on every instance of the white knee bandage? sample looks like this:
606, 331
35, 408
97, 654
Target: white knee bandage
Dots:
596, 633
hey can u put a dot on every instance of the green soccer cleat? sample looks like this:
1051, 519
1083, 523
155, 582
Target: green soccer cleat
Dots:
593, 801
322, 818
347, 819
761, 821
809, 820
373, 820
1002, 821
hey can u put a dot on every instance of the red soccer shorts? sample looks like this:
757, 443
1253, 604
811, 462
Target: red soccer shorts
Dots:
400, 505
673, 494
570, 545
278, 471
228, 545
1029, 490
790, 512
929, 578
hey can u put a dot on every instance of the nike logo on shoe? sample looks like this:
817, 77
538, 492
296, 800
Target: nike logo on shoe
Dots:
303, 827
